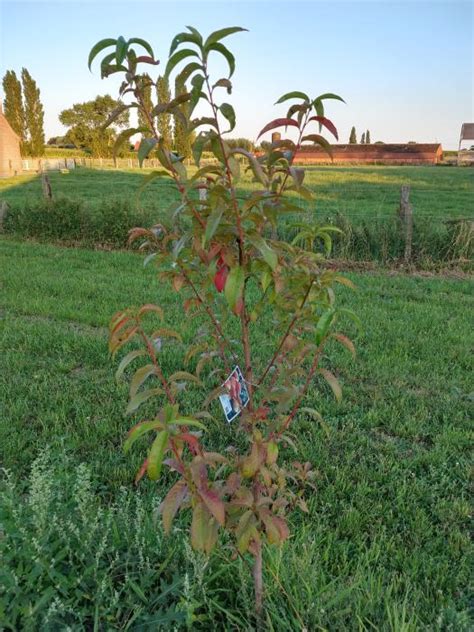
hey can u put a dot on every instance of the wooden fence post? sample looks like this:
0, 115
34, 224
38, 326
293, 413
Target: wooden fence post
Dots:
3, 211
47, 192
406, 216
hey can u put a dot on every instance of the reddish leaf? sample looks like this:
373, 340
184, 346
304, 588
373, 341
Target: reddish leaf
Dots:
172, 502
327, 124
146, 59
220, 278
174, 465
278, 123
191, 440
141, 471
253, 461
214, 504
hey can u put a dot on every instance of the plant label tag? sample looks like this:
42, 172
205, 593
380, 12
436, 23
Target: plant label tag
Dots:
237, 396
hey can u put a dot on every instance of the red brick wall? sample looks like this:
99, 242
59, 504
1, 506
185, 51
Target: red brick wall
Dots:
10, 157
385, 154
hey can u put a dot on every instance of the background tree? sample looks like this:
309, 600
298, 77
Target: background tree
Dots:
182, 141
13, 105
353, 137
34, 115
146, 85
86, 124
164, 119
367, 137
362, 139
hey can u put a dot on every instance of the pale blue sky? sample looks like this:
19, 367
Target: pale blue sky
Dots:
404, 68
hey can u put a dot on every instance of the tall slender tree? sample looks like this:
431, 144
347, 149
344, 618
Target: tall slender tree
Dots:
367, 137
13, 105
34, 115
164, 119
182, 141
362, 139
146, 99
353, 137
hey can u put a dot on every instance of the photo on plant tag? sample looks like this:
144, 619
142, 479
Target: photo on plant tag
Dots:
237, 395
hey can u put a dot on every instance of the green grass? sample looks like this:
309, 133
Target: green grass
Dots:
357, 192
96, 208
385, 545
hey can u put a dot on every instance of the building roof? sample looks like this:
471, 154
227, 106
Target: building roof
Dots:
467, 131
4, 124
412, 148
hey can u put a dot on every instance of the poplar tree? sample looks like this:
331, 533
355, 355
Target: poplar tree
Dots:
164, 119
362, 139
353, 137
146, 99
13, 105
367, 137
34, 115
182, 141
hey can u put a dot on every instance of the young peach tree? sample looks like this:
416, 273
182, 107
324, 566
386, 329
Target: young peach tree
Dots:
218, 247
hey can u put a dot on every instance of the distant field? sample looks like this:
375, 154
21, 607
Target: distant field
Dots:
385, 545
357, 192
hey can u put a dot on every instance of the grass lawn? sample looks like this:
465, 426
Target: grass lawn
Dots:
385, 545
439, 193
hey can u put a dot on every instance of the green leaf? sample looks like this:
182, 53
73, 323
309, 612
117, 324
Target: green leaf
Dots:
234, 286
115, 114
223, 83
123, 136
246, 529
172, 502
105, 63
155, 456
265, 250
254, 165
120, 50
152, 176
137, 400
97, 48
333, 383
292, 95
318, 102
218, 35
146, 145
177, 57
204, 529
198, 147
318, 140
353, 316
323, 325
317, 417
139, 431
220, 48
228, 112
143, 43
189, 421
126, 361
186, 376
140, 376
212, 224
329, 95
188, 71
165, 332
179, 39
